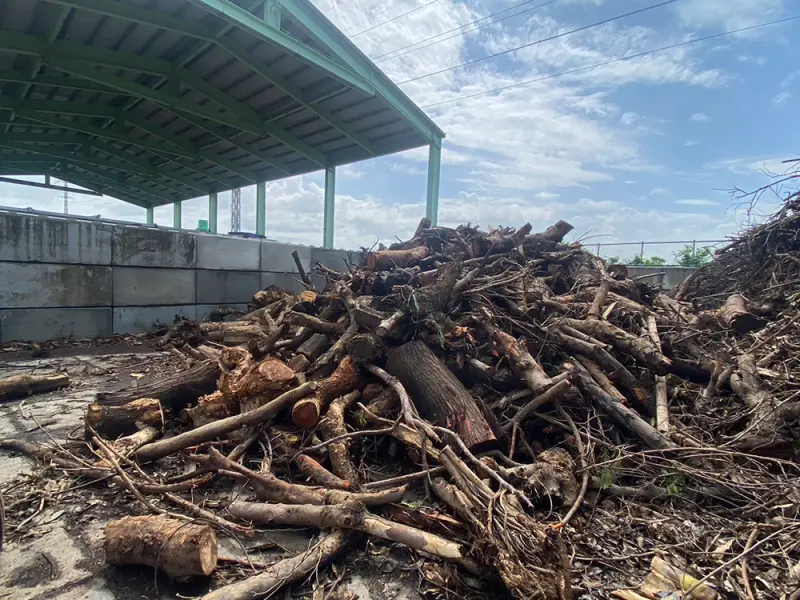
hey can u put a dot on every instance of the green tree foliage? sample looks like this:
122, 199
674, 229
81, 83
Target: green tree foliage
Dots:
650, 261
687, 257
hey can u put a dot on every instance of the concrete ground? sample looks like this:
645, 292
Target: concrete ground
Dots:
53, 541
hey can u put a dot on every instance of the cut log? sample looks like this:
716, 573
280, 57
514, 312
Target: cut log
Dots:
332, 427
345, 378
175, 392
269, 375
315, 346
20, 386
386, 259
316, 324
353, 516
623, 415
526, 366
365, 348
438, 394
113, 421
175, 547
735, 315
212, 430
283, 572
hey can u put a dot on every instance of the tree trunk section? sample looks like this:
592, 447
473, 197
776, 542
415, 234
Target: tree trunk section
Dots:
20, 386
175, 547
345, 378
438, 395
386, 259
365, 348
315, 346
113, 421
735, 315
175, 392
283, 572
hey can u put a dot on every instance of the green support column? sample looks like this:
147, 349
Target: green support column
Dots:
212, 212
434, 169
330, 202
272, 13
176, 215
261, 208
150, 216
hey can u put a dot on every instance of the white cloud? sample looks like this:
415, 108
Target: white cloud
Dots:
659, 192
628, 118
546, 195
781, 99
728, 14
699, 117
690, 143
697, 202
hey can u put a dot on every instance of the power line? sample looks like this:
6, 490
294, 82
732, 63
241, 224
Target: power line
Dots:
380, 58
541, 41
615, 60
413, 10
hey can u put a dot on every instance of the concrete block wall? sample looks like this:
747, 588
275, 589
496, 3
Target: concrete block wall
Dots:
64, 277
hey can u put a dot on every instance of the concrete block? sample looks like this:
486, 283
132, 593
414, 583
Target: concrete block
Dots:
26, 238
31, 285
203, 310
333, 259
277, 257
285, 281
140, 247
234, 254
38, 324
153, 287
226, 286
139, 319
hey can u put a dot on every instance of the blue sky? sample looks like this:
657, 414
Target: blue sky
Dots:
643, 149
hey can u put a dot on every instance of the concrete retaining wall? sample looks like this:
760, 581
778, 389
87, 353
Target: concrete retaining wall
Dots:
64, 277
666, 277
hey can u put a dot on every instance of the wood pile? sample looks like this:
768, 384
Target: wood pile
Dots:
531, 396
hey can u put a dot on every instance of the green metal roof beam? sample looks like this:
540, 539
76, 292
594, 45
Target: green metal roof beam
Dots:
88, 159
234, 15
72, 83
90, 164
313, 21
80, 140
237, 50
250, 121
47, 186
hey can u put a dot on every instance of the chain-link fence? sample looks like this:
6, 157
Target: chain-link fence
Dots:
687, 253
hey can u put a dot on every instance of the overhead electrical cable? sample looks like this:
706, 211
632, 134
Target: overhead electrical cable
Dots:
541, 41
405, 14
398, 52
615, 60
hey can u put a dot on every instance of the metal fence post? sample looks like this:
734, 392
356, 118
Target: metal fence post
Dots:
694, 249
641, 254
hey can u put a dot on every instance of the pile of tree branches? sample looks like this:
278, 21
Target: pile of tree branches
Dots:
508, 379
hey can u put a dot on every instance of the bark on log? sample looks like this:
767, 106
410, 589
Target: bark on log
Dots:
526, 366
354, 517
269, 488
638, 347
548, 396
386, 259
113, 421
316, 324
319, 474
125, 445
339, 452
315, 346
623, 415
283, 572
212, 430
438, 394
602, 380
735, 315
175, 547
20, 386
269, 375
175, 391
306, 412
365, 348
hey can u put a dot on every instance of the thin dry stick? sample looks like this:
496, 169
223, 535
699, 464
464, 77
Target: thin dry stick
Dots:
395, 481
581, 458
352, 434
745, 578
110, 458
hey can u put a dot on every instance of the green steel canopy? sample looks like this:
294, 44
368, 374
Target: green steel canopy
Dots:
159, 101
